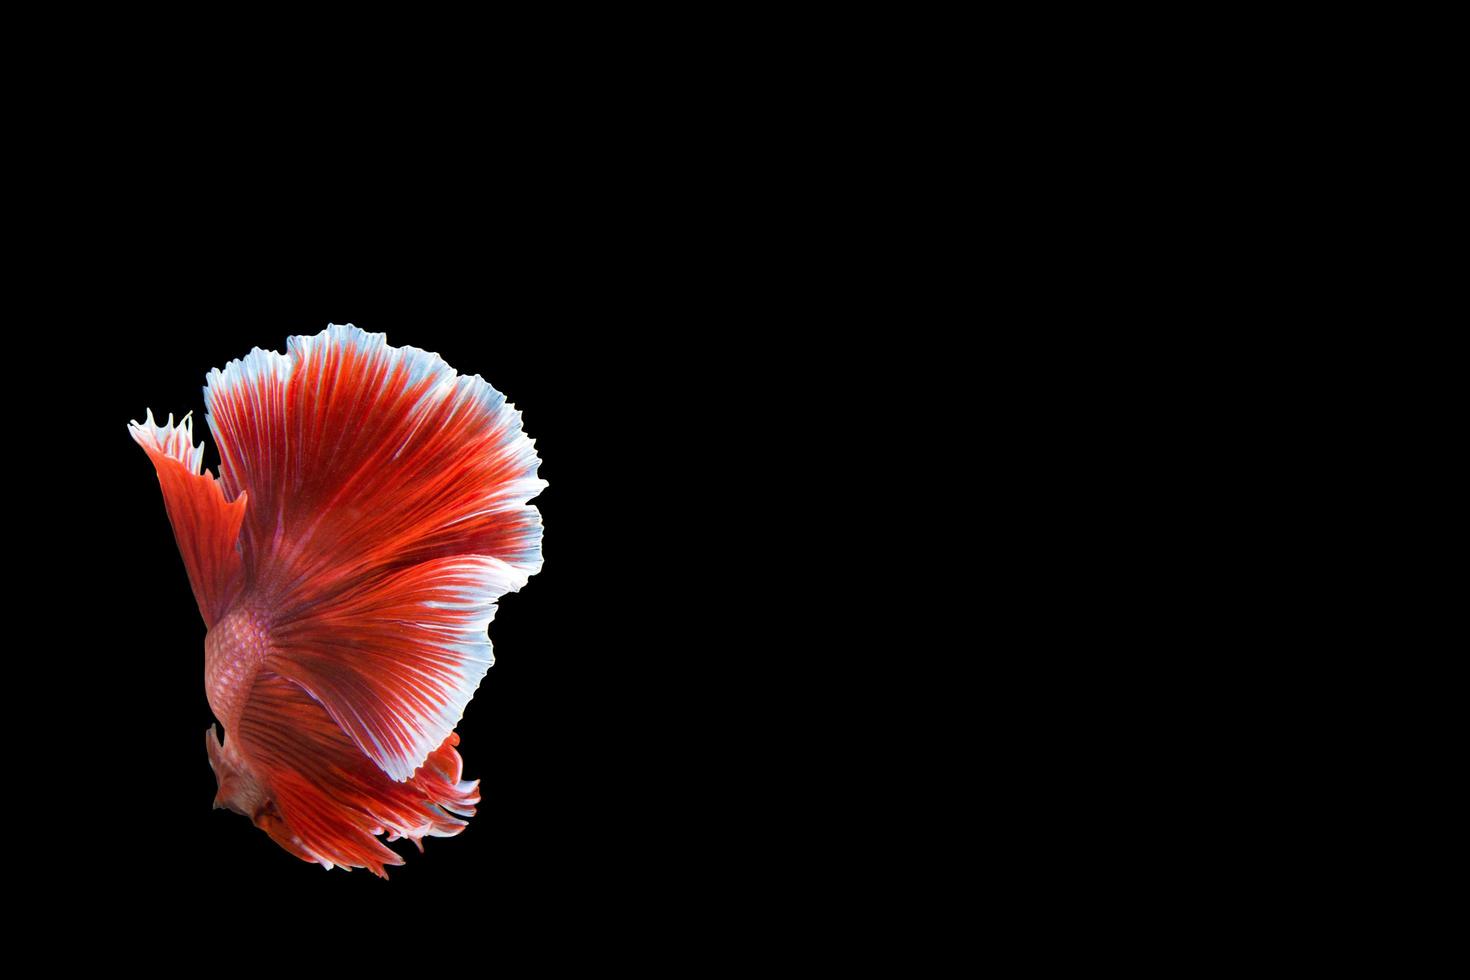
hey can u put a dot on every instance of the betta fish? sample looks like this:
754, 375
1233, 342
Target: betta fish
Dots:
371, 507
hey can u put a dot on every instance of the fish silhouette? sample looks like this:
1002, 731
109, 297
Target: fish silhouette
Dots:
371, 507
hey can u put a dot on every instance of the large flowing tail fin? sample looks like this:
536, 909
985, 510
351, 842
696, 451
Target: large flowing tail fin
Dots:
388, 511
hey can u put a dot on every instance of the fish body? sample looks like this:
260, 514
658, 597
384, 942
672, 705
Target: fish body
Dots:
371, 506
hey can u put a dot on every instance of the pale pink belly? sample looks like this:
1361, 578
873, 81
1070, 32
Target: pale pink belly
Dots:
233, 653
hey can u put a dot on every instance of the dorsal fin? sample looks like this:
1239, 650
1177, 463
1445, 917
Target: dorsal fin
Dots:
206, 526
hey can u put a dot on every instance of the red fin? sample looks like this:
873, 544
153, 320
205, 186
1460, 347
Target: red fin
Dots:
388, 512
206, 527
396, 661
318, 797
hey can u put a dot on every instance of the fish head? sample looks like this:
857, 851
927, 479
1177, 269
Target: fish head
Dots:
239, 790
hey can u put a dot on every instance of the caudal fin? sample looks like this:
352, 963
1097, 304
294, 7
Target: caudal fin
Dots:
388, 511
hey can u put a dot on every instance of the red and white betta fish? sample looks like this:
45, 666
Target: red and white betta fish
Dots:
371, 506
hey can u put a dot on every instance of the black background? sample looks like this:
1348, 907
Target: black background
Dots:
616, 732
675, 286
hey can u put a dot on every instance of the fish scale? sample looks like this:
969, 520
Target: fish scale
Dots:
234, 651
